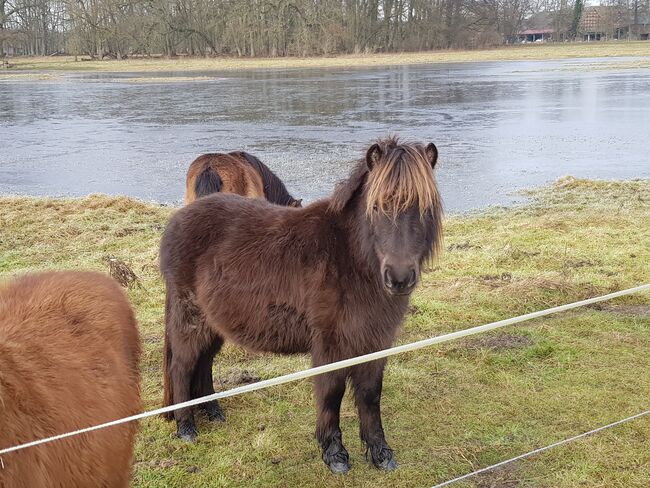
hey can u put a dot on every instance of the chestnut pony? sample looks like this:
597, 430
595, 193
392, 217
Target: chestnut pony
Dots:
332, 279
236, 172
69, 353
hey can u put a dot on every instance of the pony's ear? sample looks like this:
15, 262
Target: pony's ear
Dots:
296, 203
373, 155
432, 154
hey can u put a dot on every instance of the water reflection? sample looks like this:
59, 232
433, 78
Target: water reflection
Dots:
498, 126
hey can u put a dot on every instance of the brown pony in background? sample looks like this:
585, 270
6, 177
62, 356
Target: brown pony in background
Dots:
332, 279
69, 353
236, 172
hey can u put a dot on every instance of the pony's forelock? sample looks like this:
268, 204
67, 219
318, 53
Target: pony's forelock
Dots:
401, 178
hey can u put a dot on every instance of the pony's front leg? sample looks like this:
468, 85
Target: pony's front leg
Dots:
367, 380
330, 388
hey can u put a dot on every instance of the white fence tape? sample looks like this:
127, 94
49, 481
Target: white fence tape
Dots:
542, 449
299, 375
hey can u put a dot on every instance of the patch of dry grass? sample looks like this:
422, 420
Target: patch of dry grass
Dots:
162, 79
447, 410
28, 76
609, 66
506, 53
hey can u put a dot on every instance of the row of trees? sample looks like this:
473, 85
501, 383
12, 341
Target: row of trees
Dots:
119, 28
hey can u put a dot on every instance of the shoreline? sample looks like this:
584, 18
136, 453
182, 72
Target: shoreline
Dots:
520, 197
528, 52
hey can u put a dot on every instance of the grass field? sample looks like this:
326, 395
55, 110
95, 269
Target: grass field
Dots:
518, 52
447, 410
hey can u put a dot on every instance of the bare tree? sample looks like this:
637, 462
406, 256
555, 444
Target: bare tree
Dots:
119, 28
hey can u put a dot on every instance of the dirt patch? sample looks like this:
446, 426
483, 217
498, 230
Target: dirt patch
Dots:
462, 246
496, 280
151, 339
580, 263
122, 272
157, 226
502, 342
519, 254
629, 310
499, 478
126, 231
242, 377
153, 266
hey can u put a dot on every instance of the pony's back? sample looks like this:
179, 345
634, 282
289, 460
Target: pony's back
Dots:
225, 173
237, 172
69, 353
274, 189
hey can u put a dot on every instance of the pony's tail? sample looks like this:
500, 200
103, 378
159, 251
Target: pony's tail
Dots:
207, 182
168, 395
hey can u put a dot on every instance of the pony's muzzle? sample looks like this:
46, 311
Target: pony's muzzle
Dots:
399, 281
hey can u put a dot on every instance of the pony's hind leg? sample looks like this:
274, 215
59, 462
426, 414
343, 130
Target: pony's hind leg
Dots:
181, 368
185, 332
367, 381
202, 382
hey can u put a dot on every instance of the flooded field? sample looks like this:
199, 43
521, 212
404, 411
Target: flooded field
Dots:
499, 127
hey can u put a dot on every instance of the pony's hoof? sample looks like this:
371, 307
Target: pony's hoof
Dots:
339, 467
336, 457
383, 458
216, 416
389, 464
187, 432
214, 412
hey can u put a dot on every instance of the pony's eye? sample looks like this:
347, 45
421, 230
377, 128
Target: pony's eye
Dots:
375, 207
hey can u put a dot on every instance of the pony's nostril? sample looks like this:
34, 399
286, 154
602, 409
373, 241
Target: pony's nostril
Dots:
412, 278
387, 281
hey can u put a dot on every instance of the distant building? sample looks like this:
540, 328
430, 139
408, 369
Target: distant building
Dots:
612, 22
638, 28
543, 27
535, 35
597, 23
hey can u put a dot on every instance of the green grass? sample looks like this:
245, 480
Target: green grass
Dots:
506, 53
447, 410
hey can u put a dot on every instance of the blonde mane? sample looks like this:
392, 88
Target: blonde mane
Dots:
401, 178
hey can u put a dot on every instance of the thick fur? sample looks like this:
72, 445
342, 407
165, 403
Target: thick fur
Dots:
288, 280
69, 354
237, 172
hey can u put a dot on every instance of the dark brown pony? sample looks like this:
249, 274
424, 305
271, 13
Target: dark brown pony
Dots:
332, 279
69, 353
236, 172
